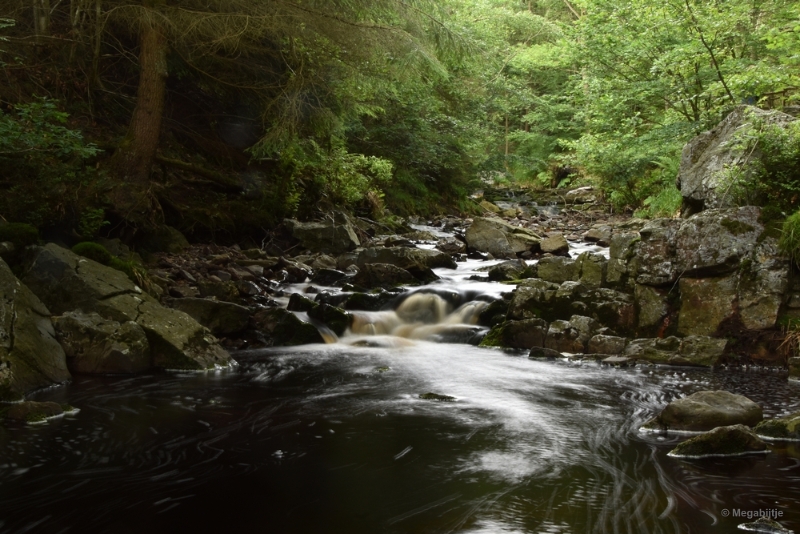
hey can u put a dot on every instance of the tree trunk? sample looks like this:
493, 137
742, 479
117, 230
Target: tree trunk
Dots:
134, 158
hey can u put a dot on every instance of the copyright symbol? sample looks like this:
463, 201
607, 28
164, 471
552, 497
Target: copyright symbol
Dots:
725, 512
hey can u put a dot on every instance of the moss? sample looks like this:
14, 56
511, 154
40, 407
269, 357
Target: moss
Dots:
20, 234
36, 418
736, 227
436, 397
495, 336
93, 251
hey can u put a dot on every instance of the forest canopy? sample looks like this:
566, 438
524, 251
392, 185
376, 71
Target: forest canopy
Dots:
225, 116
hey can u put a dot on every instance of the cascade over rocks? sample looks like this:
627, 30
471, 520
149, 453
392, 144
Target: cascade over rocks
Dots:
30, 356
707, 160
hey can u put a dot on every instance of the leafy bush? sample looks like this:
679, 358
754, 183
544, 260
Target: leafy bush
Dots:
790, 237
20, 234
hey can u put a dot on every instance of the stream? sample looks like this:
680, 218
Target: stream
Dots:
334, 438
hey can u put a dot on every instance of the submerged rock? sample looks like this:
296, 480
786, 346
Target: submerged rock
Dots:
765, 525
733, 440
436, 397
781, 428
35, 412
705, 410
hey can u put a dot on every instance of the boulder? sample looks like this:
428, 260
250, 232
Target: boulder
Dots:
555, 243
410, 259
499, 238
592, 269
285, 328
523, 334
373, 275
34, 412
222, 290
765, 525
451, 245
30, 356
652, 307
600, 234
732, 440
328, 277
94, 345
334, 318
621, 252
222, 318
763, 284
163, 239
67, 282
299, 302
490, 207
563, 337
557, 269
700, 351
509, 270
333, 236
653, 260
531, 298
603, 344
709, 159
706, 410
705, 304
786, 428
543, 353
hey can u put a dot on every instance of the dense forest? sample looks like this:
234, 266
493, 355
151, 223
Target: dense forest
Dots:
224, 117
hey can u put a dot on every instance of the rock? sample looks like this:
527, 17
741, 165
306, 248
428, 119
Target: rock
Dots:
707, 160
373, 275
581, 195
618, 361
705, 304
531, 298
94, 345
786, 428
763, 283
332, 236
247, 288
523, 334
563, 337
420, 235
555, 243
621, 252
328, 277
451, 245
222, 318
334, 318
602, 344
163, 239
34, 412
180, 292
705, 410
557, 269
592, 269
67, 282
653, 261
509, 270
499, 238
227, 291
488, 206
436, 397
30, 356
543, 353
298, 302
410, 259
652, 307
714, 242
765, 525
794, 369
733, 440
286, 328
600, 234
691, 351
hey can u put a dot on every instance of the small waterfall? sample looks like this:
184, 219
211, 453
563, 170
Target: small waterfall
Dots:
425, 316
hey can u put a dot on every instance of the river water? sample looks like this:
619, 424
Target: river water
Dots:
335, 439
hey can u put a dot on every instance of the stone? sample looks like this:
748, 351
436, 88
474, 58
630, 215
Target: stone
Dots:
488, 206
713, 242
333, 317
509, 270
298, 302
653, 258
765, 525
285, 328
163, 239
436, 397
707, 160
689, 351
451, 245
732, 440
592, 269
617, 361
34, 412
67, 282
621, 251
586, 327
523, 334
763, 283
652, 307
563, 337
543, 353
331, 236
704, 411
705, 304
30, 356
555, 243
94, 345
786, 428
557, 269
531, 298
328, 277
410, 259
499, 238
222, 290
222, 318
373, 275
247, 288
581, 195
603, 344
600, 234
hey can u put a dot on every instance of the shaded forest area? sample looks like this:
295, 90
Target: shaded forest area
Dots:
222, 117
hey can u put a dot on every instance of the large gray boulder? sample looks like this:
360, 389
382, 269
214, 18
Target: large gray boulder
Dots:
30, 356
333, 236
704, 411
94, 345
700, 351
709, 160
222, 318
500, 238
410, 259
67, 282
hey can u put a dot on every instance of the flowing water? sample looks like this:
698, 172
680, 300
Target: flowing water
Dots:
335, 439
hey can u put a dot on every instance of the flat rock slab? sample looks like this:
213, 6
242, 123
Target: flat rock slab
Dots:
704, 411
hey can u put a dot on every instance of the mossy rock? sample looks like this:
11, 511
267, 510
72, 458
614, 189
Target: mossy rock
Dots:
34, 412
334, 318
734, 440
436, 397
93, 251
781, 428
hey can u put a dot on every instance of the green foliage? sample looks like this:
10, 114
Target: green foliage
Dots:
20, 234
91, 221
93, 251
662, 198
789, 241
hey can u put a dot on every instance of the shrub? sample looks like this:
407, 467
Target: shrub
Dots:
790, 237
20, 234
93, 251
